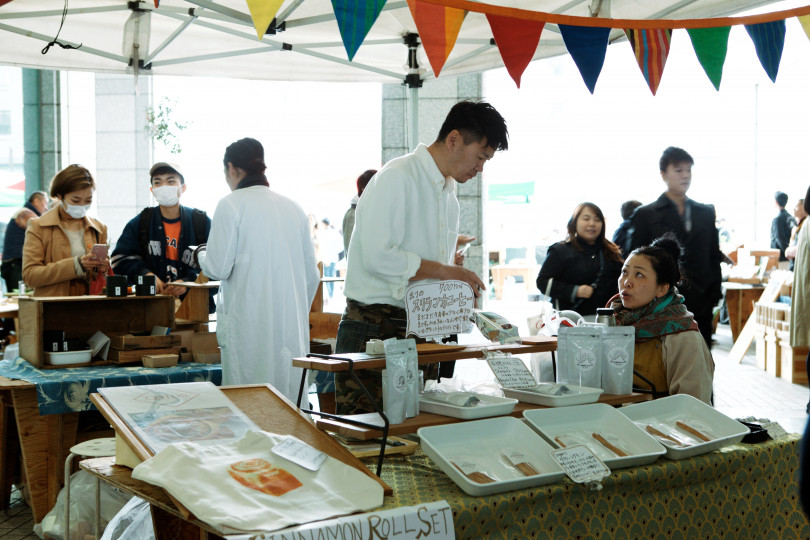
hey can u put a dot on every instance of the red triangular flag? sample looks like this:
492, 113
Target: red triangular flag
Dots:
651, 48
517, 41
438, 28
157, 3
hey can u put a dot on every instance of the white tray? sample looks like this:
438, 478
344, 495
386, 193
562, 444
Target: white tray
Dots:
488, 406
579, 396
664, 413
68, 357
486, 441
578, 424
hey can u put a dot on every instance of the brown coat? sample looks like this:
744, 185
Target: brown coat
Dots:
800, 302
48, 265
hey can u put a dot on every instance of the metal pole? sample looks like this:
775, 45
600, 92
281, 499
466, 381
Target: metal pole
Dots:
756, 157
413, 118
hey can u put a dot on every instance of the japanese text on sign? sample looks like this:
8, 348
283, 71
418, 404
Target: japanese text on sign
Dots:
580, 464
438, 309
511, 372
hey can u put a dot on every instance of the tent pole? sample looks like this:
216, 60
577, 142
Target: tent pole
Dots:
413, 118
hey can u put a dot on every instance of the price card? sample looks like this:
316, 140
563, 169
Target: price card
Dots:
511, 371
300, 453
439, 309
581, 464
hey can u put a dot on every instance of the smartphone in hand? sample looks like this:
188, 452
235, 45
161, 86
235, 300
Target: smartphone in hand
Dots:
99, 251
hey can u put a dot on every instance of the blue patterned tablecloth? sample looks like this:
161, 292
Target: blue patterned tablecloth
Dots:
68, 389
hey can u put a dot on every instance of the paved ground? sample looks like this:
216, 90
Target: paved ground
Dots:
740, 389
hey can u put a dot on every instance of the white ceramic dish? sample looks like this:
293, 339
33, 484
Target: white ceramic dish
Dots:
579, 395
485, 442
487, 407
662, 415
67, 357
577, 425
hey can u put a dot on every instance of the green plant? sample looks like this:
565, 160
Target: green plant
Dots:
163, 127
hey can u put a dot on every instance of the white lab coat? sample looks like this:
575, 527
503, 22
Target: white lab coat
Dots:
260, 249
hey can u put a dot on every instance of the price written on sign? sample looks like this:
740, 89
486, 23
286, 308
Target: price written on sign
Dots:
438, 309
511, 372
580, 464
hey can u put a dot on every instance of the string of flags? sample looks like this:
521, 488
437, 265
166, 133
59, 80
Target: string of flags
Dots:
516, 33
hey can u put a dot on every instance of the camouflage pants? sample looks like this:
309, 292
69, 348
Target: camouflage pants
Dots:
360, 323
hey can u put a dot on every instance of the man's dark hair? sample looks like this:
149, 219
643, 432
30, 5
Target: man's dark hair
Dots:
628, 207
781, 198
37, 195
166, 170
364, 179
476, 120
673, 156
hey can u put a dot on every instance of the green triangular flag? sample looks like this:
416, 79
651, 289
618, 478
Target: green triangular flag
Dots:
355, 18
711, 45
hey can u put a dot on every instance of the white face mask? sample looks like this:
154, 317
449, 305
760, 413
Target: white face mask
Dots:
166, 195
75, 211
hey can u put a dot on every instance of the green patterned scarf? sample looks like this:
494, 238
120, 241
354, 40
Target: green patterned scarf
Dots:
662, 316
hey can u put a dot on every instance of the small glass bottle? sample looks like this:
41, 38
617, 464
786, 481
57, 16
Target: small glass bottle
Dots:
606, 316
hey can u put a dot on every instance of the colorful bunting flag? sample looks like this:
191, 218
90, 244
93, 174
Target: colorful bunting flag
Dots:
438, 28
805, 22
711, 45
517, 41
769, 41
157, 3
587, 46
263, 12
651, 48
355, 18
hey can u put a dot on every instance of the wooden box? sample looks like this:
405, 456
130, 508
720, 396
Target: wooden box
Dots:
793, 359
81, 316
135, 356
205, 348
759, 339
128, 342
773, 355
159, 360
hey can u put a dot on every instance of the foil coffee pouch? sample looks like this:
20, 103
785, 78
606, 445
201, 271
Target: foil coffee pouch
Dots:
579, 356
407, 349
618, 347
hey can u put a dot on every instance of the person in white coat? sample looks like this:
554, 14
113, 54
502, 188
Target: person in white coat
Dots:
260, 249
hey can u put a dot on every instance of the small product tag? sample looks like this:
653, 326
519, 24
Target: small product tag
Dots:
467, 466
775, 431
300, 453
515, 457
581, 464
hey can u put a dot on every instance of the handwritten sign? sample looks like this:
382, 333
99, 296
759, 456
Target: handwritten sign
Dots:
431, 521
438, 309
581, 464
511, 372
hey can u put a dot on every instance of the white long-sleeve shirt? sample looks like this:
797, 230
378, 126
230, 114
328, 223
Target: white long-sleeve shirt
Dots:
408, 212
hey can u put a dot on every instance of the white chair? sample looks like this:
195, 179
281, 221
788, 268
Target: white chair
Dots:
94, 448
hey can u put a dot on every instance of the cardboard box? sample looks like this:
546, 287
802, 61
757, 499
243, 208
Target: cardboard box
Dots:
204, 348
186, 337
159, 360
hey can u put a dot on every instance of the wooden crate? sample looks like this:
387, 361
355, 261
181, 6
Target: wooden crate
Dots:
759, 339
81, 316
135, 356
793, 361
773, 355
128, 342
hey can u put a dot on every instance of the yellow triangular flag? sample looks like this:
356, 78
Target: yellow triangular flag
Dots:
805, 20
262, 12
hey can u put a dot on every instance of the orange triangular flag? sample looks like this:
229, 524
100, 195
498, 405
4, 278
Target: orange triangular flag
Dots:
262, 12
438, 28
517, 41
805, 21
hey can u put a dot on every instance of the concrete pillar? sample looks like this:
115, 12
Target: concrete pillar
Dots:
436, 98
41, 128
123, 149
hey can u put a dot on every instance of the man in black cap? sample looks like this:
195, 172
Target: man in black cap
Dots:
156, 242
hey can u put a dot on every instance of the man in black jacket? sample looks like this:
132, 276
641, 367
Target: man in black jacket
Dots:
781, 226
694, 225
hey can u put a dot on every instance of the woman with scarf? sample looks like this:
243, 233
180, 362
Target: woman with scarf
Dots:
580, 273
260, 249
670, 351
57, 254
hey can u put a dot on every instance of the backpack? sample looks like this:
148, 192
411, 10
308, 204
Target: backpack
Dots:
198, 221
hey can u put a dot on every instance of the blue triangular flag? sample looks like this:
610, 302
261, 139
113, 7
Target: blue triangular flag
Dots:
355, 18
769, 41
587, 46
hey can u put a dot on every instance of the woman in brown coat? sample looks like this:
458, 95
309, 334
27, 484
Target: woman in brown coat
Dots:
57, 259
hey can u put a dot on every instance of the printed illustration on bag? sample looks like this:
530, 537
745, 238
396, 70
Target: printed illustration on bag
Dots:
585, 359
260, 475
618, 357
190, 424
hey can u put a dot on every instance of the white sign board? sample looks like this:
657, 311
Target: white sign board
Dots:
430, 521
438, 309
581, 464
511, 372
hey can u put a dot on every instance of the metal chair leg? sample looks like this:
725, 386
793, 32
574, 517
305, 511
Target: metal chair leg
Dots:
68, 463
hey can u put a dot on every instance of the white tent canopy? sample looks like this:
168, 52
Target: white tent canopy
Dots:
217, 38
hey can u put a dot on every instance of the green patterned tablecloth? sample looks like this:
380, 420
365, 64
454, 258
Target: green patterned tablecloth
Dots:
743, 491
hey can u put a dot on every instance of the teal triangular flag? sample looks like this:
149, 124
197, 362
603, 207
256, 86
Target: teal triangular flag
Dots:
711, 45
769, 41
587, 46
355, 18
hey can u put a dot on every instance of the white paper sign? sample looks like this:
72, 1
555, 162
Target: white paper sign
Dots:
430, 521
775, 431
438, 309
580, 464
300, 453
511, 372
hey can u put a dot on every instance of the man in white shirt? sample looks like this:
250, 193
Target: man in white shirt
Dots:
406, 230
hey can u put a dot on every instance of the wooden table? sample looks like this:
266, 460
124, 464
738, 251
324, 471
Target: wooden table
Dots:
499, 274
740, 298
